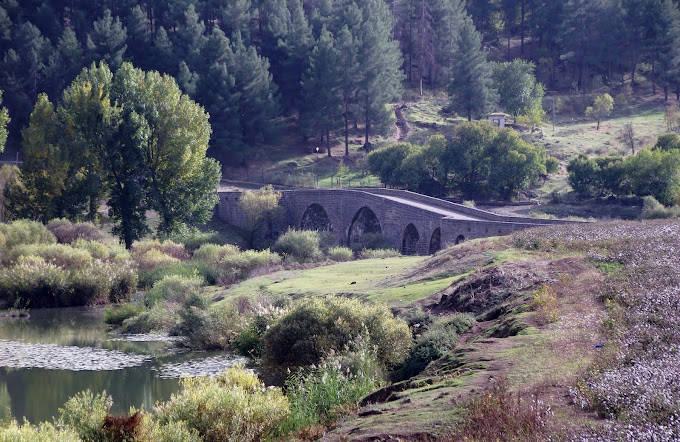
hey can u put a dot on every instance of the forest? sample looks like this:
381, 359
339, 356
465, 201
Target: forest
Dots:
327, 65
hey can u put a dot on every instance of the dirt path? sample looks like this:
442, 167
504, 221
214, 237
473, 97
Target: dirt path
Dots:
401, 125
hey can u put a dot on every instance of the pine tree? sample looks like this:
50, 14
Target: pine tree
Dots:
321, 112
190, 38
186, 79
470, 89
163, 52
236, 18
107, 40
139, 37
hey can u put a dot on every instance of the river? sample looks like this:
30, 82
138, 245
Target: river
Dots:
55, 353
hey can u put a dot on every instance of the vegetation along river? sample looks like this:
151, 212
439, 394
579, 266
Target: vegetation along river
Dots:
49, 357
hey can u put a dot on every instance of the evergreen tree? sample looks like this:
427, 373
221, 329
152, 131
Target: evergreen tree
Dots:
321, 112
139, 37
470, 88
186, 79
163, 51
236, 18
107, 40
190, 38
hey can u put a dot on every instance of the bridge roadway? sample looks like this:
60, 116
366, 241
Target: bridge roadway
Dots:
413, 223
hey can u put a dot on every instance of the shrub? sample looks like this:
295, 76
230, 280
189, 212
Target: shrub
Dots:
439, 337
45, 432
301, 245
61, 255
26, 232
85, 413
194, 239
204, 328
188, 269
233, 407
239, 266
317, 395
173, 288
101, 251
159, 318
546, 305
340, 254
314, 328
371, 241
116, 314
379, 253
652, 209
214, 253
154, 258
170, 248
67, 232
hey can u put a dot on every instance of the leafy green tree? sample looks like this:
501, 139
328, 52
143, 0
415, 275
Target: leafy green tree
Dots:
386, 162
584, 175
518, 91
601, 108
107, 40
471, 86
468, 156
516, 164
667, 142
258, 207
655, 172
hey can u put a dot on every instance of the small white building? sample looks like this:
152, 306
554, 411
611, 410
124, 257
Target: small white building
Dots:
499, 119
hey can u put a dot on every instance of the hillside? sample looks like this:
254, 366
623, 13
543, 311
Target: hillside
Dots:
563, 316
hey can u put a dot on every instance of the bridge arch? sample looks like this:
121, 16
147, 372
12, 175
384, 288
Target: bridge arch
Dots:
460, 239
316, 218
409, 243
364, 221
436, 241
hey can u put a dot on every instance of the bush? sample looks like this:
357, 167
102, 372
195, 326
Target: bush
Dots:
371, 241
169, 248
26, 232
214, 253
85, 413
159, 318
45, 432
67, 232
195, 239
115, 315
188, 269
239, 266
301, 245
60, 255
317, 395
173, 288
316, 327
153, 258
204, 328
439, 337
652, 209
340, 254
379, 253
102, 251
233, 407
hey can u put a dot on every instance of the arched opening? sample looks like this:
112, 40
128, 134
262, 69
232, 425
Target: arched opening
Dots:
364, 223
409, 244
316, 218
460, 239
436, 241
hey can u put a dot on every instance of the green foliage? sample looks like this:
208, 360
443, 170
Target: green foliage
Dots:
386, 162
4, 121
601, 108
258, 207
668, 141
552, 165
240, 265
173, 288
314, 328
45, 432
340, 254
207, 271
116, 314
317, 395
159, 318
205, 328
518, 91
371, 241
26, 232
85, 413
652, 209
213, 253
471, 86
301, 245
194, 239
233, 407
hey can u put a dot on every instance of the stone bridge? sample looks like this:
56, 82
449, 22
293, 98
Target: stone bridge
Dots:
414, 223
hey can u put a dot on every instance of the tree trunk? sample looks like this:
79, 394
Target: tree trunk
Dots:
521, 47
328, 142
368, 122
346, 128
598, 124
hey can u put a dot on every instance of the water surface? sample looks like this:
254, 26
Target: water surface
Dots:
56, 353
